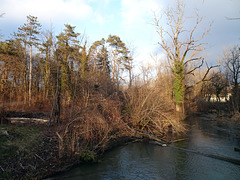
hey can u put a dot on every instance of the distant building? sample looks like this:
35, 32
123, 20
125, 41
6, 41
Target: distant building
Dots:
222, 98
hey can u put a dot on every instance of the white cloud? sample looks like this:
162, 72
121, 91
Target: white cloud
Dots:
46, 10
138, 11
102, 18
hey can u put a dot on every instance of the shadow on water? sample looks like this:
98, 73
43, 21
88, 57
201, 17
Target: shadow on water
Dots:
149, 161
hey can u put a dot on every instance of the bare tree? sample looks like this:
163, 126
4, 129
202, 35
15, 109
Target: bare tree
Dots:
232, 65
182, 47
217, 83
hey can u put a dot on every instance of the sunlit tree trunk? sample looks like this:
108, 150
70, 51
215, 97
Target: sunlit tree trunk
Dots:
30, 78
114, 64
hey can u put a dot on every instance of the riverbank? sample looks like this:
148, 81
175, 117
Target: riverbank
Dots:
32, 150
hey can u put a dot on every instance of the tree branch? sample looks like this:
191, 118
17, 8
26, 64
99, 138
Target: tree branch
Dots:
197, 67
204, 77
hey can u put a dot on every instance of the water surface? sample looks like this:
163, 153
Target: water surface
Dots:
149, 161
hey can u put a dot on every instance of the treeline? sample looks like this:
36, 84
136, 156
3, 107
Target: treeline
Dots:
88, 89
35, 62
222, 87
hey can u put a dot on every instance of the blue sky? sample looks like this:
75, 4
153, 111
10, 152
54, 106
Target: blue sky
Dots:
129, 19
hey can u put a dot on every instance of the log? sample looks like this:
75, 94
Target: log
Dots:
236, 149
228, 159
24, 120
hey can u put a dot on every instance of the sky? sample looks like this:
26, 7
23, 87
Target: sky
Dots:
131, 20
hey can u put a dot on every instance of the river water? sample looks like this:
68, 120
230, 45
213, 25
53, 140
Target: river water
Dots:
142, 161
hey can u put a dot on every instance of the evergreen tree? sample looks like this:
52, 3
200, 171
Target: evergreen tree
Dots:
46, 50
100, 56
28, 34
118, 52
68, 52
13, 71
83, 60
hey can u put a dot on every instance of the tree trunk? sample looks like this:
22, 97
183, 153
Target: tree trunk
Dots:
180, 108
114, 64
178, 91
130, 77
236, 98
56, 109
30, 78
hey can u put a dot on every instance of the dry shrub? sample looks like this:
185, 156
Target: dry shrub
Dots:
93, 123
151, 110
99, 113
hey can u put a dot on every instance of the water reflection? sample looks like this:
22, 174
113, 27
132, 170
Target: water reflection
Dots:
148, 161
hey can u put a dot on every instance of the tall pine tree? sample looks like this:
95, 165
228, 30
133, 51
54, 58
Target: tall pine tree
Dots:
28, 34
68, 50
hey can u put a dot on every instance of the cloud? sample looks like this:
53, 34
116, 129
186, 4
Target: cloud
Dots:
138, 11
102, 18
103, 11
46, 10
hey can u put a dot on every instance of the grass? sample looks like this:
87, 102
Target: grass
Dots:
21, 139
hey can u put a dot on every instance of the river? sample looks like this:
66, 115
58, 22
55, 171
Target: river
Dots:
142, 161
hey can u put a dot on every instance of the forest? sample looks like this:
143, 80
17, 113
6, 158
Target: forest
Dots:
93, 99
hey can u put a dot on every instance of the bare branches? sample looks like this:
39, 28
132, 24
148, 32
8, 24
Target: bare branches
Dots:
1, 15
229, 18
176, 49
181, 47
204, 76
151, 109
194, 59
208, 70
196, 67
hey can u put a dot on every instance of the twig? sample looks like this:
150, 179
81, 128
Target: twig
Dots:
33, 167
39, 157
229, 18
2, 168
59, 136
21, 166
178, 140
